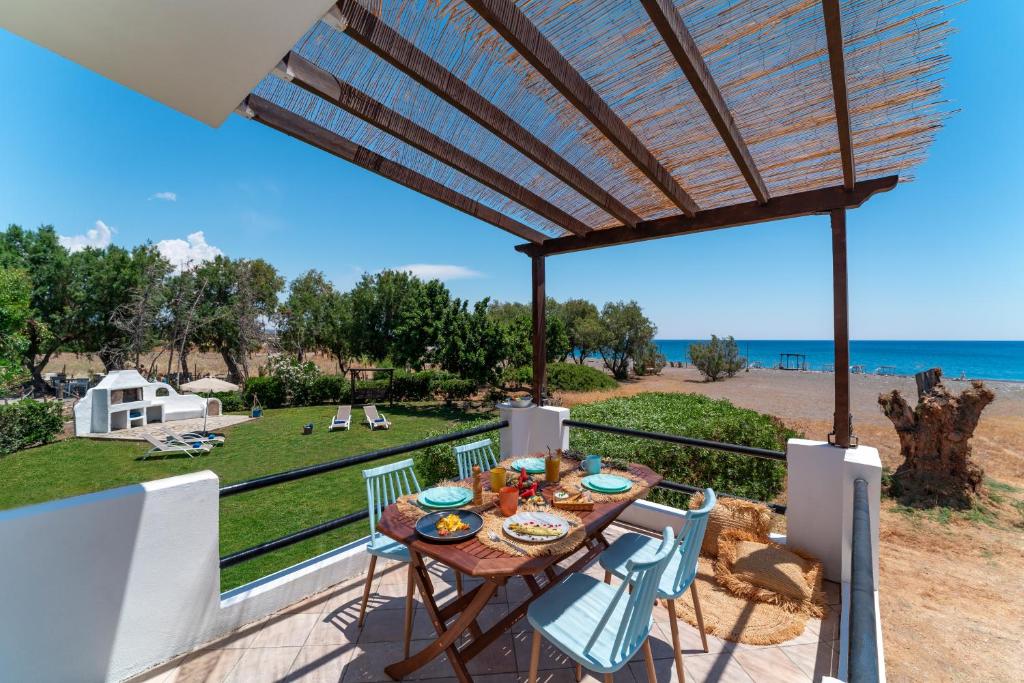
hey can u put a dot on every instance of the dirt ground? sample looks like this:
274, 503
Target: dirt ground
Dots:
952, 599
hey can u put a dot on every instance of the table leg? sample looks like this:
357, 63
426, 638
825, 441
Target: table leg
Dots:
446, 636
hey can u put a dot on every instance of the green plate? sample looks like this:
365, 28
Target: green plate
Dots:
444, 497
607, 483
532, 465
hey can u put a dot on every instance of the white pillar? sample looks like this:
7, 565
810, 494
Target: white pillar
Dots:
820, 500
533, 430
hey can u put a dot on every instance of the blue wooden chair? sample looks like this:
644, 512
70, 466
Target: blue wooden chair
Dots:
681, 571
599, 626
476, 453
384, 485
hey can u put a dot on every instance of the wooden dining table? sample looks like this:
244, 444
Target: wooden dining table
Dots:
495, 568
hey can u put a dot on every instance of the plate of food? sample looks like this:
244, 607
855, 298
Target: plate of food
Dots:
449, 527
535, 527
531, 465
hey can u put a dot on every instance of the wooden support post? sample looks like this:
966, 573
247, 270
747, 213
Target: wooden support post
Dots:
540, 352
842, 423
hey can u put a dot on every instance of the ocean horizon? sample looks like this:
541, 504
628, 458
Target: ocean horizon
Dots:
994, 360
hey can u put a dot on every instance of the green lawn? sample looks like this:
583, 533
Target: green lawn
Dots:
270, 444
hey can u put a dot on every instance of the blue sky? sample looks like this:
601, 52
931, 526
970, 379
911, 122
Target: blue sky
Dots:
939, 258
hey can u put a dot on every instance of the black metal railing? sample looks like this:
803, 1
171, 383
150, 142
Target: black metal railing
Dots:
863, 645
321, 468
688, 441
684, 440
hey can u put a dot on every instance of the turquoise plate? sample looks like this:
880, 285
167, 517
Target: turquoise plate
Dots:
532, 465
444, 497
607, 483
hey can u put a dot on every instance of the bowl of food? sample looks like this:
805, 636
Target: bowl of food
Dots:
521, 402
449, 526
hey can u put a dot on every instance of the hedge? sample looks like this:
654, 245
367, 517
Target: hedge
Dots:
29, 423
695, 416
268, 390
437, 463
574, 377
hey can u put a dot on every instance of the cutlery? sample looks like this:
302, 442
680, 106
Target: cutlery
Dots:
496, 538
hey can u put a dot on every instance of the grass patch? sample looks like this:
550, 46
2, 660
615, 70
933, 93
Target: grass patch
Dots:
1002, 487
270, 444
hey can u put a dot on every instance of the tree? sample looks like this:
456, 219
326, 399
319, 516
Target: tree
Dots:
337, 330
717, 358
625, 333
133, 324
55, 318
304, 317
581, 321
185, 292
15, 310
935, 441
418, 327
377, 304
471, 343
240, 296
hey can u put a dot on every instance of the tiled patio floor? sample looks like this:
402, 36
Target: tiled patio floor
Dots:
317, 640
213, 423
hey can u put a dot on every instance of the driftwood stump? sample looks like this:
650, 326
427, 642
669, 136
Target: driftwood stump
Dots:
935, 441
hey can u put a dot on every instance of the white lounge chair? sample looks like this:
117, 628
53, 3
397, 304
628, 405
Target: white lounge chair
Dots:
375, 419
193, 437
166, 447
343, 420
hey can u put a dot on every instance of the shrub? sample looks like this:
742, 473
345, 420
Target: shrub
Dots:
695, 416
438, 463
230, 401
573, 377
269, 391
413, 386
716, 358
330, 389
453, 388
28, 423
651, 361
517, 378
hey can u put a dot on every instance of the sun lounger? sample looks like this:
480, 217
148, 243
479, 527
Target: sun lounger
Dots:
165, 447
343, 420
193, 437
375, 419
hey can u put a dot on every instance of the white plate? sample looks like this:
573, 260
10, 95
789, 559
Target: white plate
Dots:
539, 518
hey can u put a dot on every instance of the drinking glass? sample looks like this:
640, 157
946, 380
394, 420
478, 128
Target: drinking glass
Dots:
508, 500
497, 478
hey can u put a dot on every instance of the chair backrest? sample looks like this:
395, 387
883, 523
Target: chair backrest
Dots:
476, 453
154, 442
371, 413
643, 577
689, 540
344, 413
385, 484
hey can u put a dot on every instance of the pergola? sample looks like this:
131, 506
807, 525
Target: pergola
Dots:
579, 124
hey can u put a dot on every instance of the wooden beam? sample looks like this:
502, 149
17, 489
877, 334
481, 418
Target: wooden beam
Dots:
786, 206
540, 353
837, 65
376, 36
682, 46
526, 38
281, 119
842, 420
327, 86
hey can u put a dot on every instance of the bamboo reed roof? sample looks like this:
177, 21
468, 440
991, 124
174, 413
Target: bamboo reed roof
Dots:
767, 61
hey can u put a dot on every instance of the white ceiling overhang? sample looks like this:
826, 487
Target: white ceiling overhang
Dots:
200, 57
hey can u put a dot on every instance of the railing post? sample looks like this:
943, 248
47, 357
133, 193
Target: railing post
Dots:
540, 360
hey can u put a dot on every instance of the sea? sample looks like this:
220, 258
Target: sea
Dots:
996, 360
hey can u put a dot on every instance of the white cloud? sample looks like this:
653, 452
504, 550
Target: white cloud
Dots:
165, 196
99, 237
440, 271
188, 252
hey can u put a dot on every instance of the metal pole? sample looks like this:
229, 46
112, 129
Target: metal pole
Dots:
842, 423
540, 361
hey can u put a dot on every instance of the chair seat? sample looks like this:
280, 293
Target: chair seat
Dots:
570, 613
631, 546
382, 546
